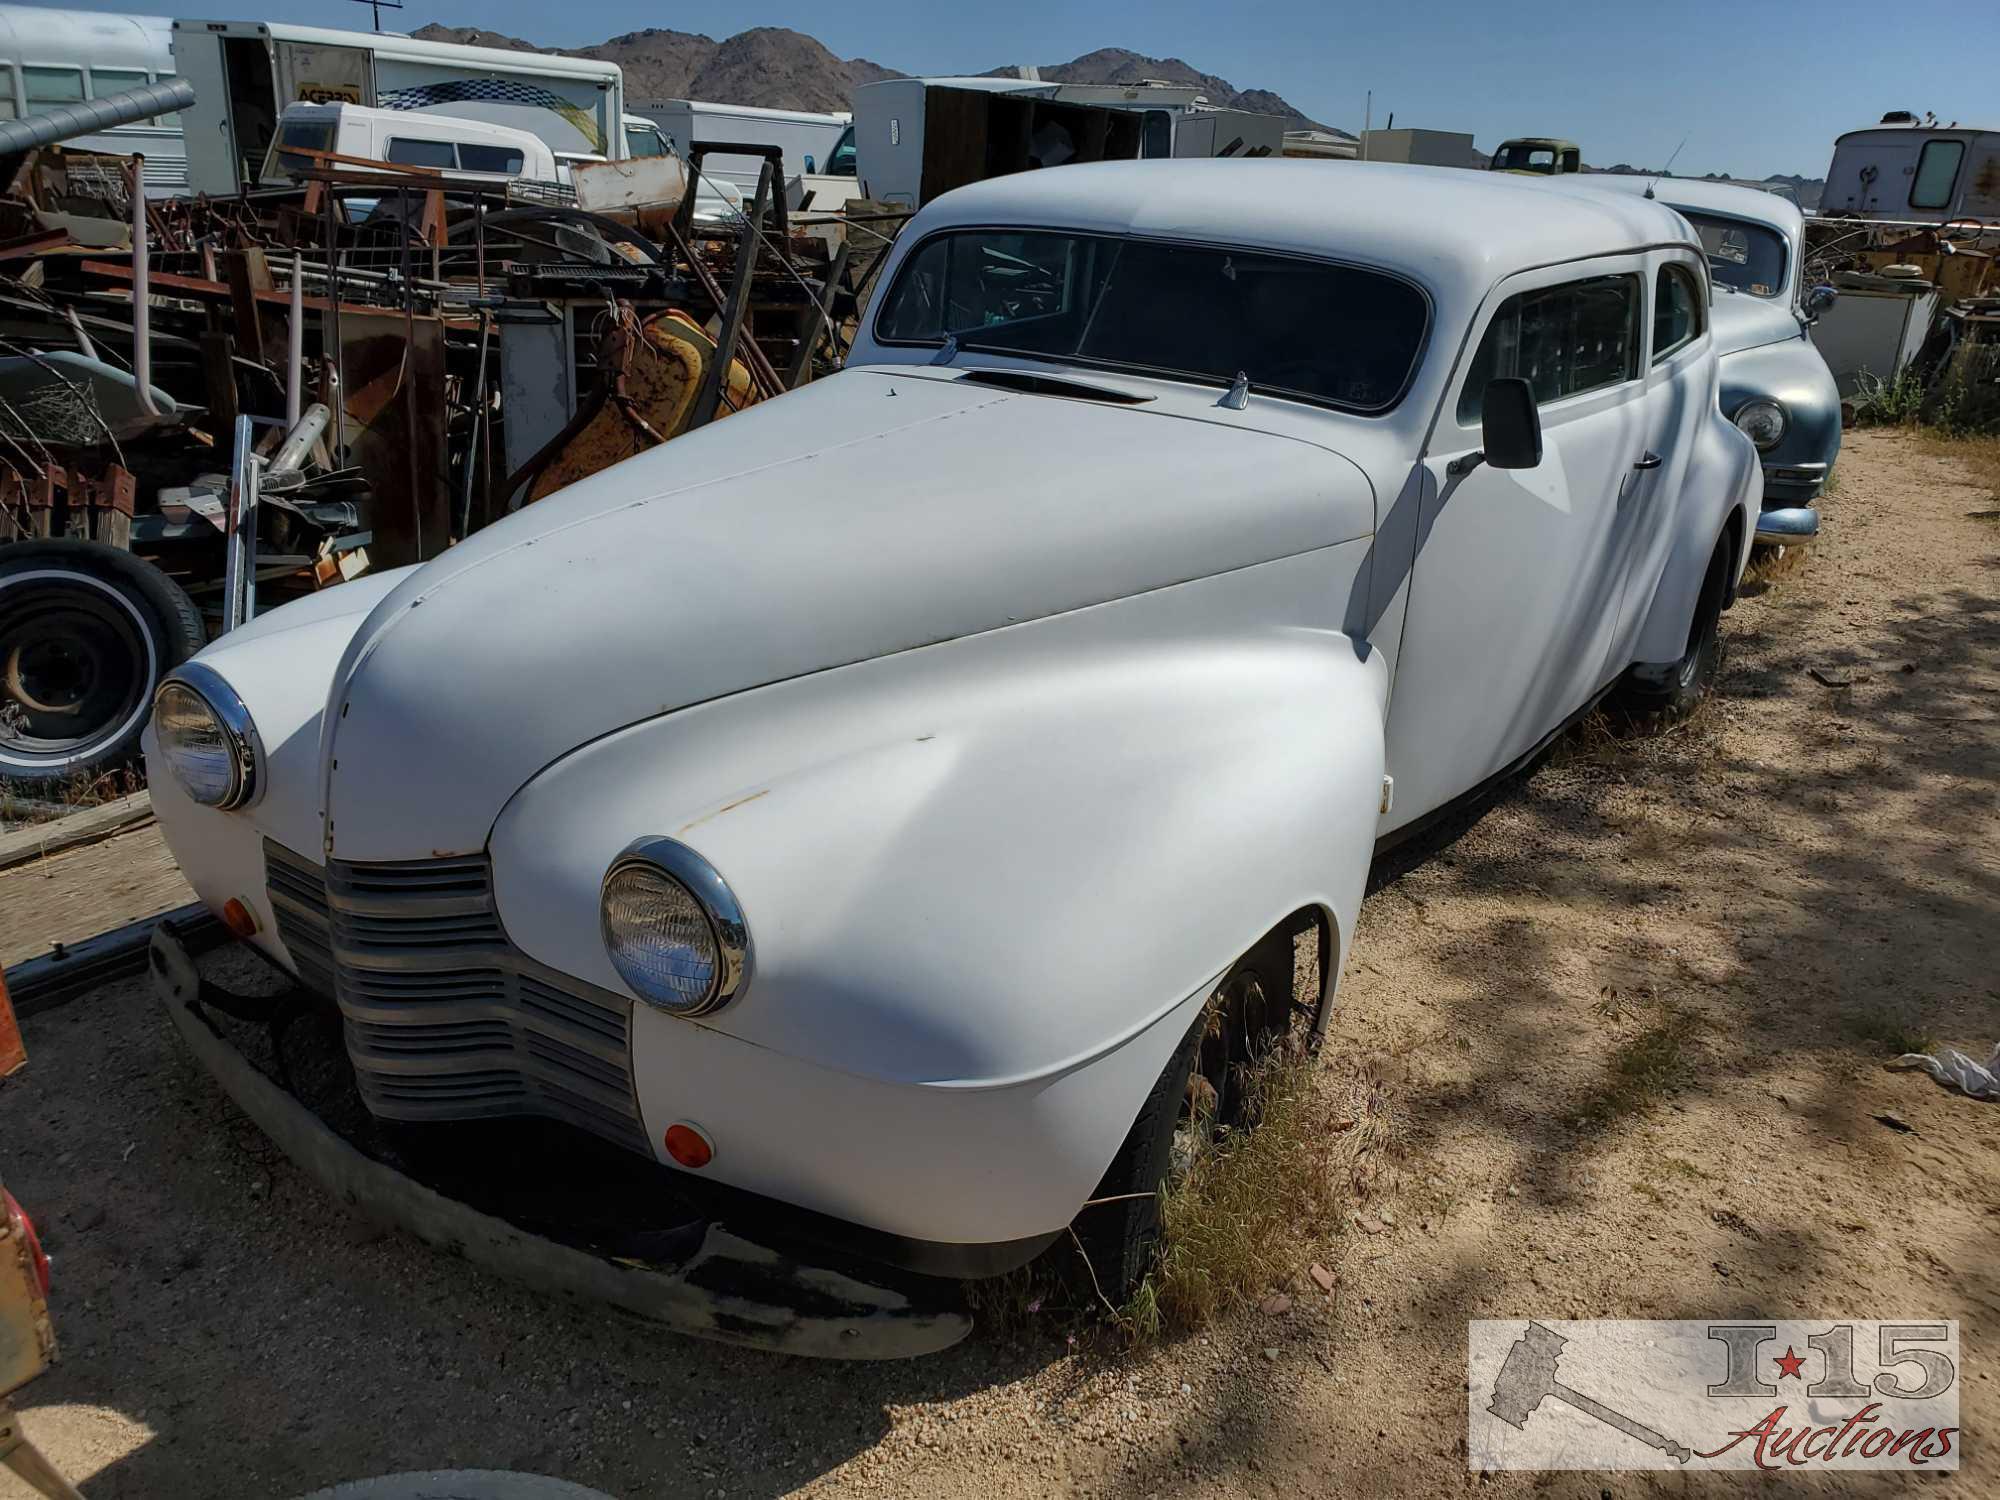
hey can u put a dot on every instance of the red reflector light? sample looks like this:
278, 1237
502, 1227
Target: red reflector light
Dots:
689, 1145
239, 919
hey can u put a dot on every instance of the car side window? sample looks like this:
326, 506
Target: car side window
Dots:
1563, 340
1677, 311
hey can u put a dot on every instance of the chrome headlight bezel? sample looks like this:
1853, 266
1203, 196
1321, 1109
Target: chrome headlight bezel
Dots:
1751, 412
239, 731
729, 934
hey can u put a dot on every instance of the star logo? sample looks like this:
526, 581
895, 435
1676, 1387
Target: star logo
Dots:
1790, 1364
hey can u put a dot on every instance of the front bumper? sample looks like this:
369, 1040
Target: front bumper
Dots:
705, 1277
1787, 525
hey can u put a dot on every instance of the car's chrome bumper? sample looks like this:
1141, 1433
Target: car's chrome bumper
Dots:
1794, 484
707, 1277
1787, 525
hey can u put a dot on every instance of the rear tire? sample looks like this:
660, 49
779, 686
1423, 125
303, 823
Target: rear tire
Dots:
1672, 690
86, 633
1252, 1006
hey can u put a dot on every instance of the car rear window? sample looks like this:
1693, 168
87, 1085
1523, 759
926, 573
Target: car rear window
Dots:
1343, 335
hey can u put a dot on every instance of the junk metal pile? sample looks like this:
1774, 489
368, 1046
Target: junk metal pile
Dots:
208, 406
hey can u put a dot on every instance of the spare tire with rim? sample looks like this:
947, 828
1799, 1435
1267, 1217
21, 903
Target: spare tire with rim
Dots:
86, 633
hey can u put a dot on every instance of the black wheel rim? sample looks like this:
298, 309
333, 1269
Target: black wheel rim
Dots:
74, 669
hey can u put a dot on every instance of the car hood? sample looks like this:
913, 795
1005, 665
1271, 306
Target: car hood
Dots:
878, 511
1742, 321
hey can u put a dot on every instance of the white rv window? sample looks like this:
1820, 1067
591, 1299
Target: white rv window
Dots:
643, 140
477, 158
1937, 169
414, 151
52, 86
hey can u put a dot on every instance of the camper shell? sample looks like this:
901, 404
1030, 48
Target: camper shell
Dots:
245, 72
470, 150
1915, 173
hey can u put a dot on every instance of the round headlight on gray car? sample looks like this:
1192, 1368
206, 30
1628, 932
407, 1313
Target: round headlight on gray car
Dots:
206, 737
1763, 422
673, 929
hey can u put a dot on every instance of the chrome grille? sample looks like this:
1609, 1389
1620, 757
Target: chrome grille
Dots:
445, 1019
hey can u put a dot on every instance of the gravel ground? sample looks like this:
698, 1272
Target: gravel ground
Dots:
1758, 903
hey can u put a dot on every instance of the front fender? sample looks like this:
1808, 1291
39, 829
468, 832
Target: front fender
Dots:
987, 885
1794, 375
987, 865
281, 665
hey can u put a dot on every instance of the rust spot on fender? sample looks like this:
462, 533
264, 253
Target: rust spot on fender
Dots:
725, 808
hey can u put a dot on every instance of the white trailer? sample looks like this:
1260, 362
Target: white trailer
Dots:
245, 72
50, 58
915, 138
806, 138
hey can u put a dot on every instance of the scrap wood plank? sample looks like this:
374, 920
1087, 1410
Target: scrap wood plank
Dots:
86, 826
55, 905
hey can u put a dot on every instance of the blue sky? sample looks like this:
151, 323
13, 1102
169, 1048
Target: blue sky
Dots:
1755, 89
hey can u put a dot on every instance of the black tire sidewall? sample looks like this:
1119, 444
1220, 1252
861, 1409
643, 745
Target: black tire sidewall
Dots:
1677, 695
1118, 1237
162, 611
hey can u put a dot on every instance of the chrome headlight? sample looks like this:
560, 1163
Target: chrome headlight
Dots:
1763, 422
207, 738
673, 929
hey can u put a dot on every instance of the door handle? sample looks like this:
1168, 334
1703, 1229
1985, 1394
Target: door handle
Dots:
1650, 461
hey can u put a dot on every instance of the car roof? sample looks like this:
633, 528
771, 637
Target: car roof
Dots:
1454, 229
1712, 197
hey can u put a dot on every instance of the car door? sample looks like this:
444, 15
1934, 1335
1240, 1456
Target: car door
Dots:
1514, 586
1678, 389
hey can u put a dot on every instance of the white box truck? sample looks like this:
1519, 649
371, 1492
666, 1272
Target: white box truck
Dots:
245, 72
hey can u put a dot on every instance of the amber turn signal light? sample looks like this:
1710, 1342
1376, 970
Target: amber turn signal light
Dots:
689, 1145
239, 919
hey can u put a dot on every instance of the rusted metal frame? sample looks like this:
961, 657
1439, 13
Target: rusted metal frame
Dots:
410, 410
336, 399
473, 450
611, 356
716, 377
759, 363
697, 151
816, 317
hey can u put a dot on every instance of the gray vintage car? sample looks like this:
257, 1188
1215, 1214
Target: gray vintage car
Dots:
1775, 385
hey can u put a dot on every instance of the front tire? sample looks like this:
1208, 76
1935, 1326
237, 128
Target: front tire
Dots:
86, 633
1672, 690
1202, 1087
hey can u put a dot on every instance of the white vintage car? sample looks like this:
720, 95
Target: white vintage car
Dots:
858, 804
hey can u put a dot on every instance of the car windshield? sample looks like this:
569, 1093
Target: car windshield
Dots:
1342, 335
1748, 257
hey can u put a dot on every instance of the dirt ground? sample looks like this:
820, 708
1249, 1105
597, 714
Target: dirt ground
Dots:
1628, 1027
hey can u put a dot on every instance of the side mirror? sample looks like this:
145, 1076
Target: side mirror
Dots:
811, 165
1819, 301
1510, 427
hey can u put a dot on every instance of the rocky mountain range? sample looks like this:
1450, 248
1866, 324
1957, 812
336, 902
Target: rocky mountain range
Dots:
781, 69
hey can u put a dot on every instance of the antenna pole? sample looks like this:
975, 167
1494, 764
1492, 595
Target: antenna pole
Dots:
375, 8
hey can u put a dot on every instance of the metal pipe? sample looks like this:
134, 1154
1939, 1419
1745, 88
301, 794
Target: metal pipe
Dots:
299, 438
83, 342
295, 348
142, 295
65, 122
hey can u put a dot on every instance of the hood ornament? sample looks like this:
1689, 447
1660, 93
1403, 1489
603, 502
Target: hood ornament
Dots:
1238, 395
